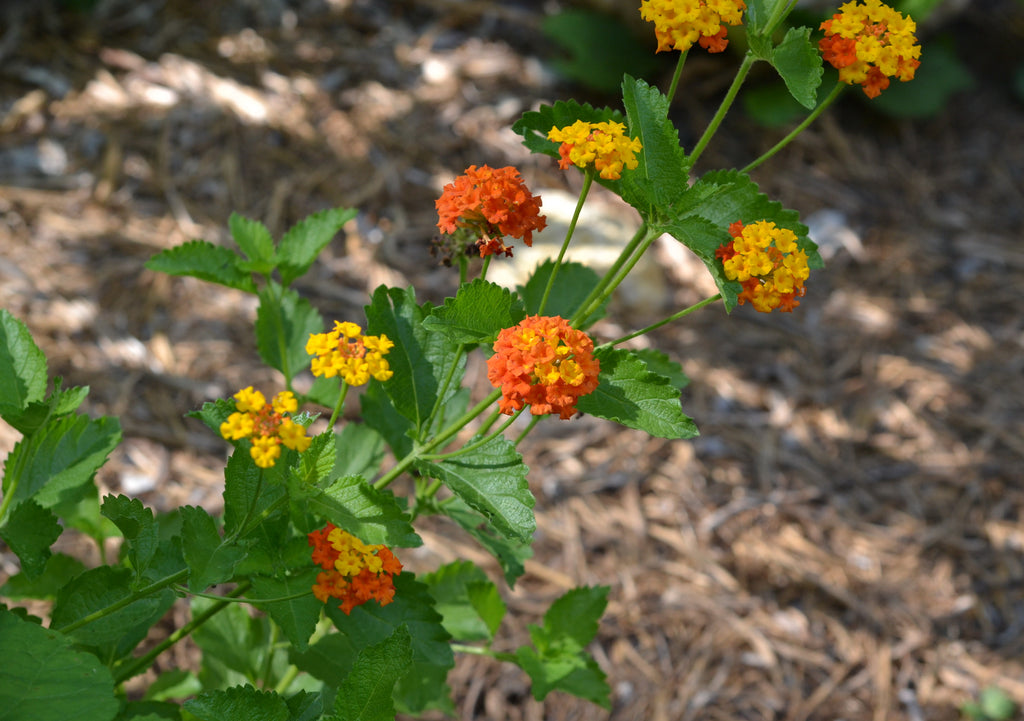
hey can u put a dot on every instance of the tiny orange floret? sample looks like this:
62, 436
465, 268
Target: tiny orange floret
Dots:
354, 572
545, 363
868, 43
490, 204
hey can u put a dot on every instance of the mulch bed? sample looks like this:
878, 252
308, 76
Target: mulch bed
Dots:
846, 537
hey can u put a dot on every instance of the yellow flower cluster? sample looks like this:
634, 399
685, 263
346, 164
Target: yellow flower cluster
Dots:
767, 262
346, 352
605, 146
870, 43
265, 425
678, 24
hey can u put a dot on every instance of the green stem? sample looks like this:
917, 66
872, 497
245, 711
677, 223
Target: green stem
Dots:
486, 425
463, 267
526, 431
482, 651
339, 404
286, 679
268, 649
486, 265
836, 92
251, 601
676, 75
476, 444
741, 74
781, 11
282, 344
631, 246
436, 442
248, 514
145, 661
616, 278
443, 390
666, 321
126, 601
588, 180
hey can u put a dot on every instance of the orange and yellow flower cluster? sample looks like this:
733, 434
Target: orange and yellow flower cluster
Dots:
346, 352
354, 572
266, 425
543, 362
678, 24
869, 43
603, 146
767, 262
490, 203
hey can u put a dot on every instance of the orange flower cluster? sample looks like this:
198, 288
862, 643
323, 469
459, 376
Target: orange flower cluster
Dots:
346, 352
870, 43
266, 425
490, 204
354, 572
678, 24
543, 362
605, 146
768, 264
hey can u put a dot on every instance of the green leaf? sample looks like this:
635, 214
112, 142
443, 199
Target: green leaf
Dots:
421, 360
249, 490
138, 527
231, 640
720, 198
213, 413
351, 503
239, 703
330, 659
511, 555
663, 173
210, 559
477, 312
59, 403
42, 678
205, 261
366, 694
297, 617
56, 464
467, 600
535, 124
630, 394
559, 661
176, 684
303, 242
491, 479
996, 705
360, 451
22, 367
115, 633
572, 673
380, 414
599, 48
58, 570
798, 61
572, 286
284, 322
255, 241
658, 362
316, 463
30, 530
424, 685
573, 617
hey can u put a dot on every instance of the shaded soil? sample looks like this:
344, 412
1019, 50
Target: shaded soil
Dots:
846, 537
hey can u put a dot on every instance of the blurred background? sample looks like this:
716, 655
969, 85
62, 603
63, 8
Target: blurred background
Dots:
846, 537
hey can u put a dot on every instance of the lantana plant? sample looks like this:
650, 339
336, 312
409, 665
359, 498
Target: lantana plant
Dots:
298, 597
